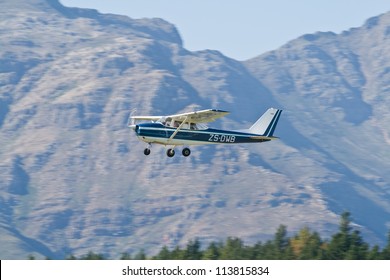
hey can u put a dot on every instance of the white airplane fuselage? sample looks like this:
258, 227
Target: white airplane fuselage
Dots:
186, 129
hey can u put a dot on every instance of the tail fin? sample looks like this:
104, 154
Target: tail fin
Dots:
266, 124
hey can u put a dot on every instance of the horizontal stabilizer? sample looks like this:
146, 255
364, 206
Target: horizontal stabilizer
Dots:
264, 137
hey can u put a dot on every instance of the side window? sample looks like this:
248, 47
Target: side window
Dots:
186, 126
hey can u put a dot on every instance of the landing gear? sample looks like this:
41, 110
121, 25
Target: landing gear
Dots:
186, 152
170, 152
147, 151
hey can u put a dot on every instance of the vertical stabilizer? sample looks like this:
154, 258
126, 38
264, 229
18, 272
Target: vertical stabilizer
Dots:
266, 124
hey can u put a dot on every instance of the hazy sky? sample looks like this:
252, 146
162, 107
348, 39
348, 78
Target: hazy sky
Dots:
242, 29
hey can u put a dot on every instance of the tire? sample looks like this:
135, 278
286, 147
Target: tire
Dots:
147, 152
170, 152
186, 152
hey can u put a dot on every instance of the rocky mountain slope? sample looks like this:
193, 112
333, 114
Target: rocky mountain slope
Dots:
73, 178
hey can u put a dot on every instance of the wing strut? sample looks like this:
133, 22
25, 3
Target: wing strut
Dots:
177, 130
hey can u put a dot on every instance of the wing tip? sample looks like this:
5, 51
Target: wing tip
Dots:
220, 111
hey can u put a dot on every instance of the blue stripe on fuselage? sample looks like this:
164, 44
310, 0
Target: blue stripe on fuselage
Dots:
210, 135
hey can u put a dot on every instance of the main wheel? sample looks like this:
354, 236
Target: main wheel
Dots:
186, 152
147, 152
170, 152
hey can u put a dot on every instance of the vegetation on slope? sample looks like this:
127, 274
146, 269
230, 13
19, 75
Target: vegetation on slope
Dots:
346, 244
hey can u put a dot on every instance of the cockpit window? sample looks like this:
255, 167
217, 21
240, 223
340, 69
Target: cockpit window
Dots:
201, 126
169, 122
165, 121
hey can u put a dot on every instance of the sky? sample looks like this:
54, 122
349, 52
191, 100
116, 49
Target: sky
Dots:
243, 29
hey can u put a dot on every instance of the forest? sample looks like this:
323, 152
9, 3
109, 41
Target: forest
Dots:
346, 244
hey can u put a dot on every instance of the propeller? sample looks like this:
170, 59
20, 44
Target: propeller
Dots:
131, 121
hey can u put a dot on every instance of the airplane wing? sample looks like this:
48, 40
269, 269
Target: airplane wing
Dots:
203, 116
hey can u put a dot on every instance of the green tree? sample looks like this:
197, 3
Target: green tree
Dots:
269, 251
164, 254
140, 255
71, 257
374, 253
257, 251
386, 250
92, 256
306, 245
233, 249
341, 241
212, 252
358, 249
192, 251
125, 256
177, 254
281, 242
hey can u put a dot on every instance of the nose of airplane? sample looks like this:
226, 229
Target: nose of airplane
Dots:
134, 127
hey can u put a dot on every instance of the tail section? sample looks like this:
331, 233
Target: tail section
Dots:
266, 124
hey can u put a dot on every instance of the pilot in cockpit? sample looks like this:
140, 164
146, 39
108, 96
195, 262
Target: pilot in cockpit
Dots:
163, 121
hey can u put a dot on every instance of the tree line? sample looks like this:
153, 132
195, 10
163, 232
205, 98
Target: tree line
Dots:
346, 244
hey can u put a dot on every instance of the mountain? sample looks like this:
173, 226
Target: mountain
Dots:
73, 177
336, 88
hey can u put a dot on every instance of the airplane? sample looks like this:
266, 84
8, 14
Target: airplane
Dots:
189, 129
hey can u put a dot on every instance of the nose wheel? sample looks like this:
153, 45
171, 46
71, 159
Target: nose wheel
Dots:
147, 151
